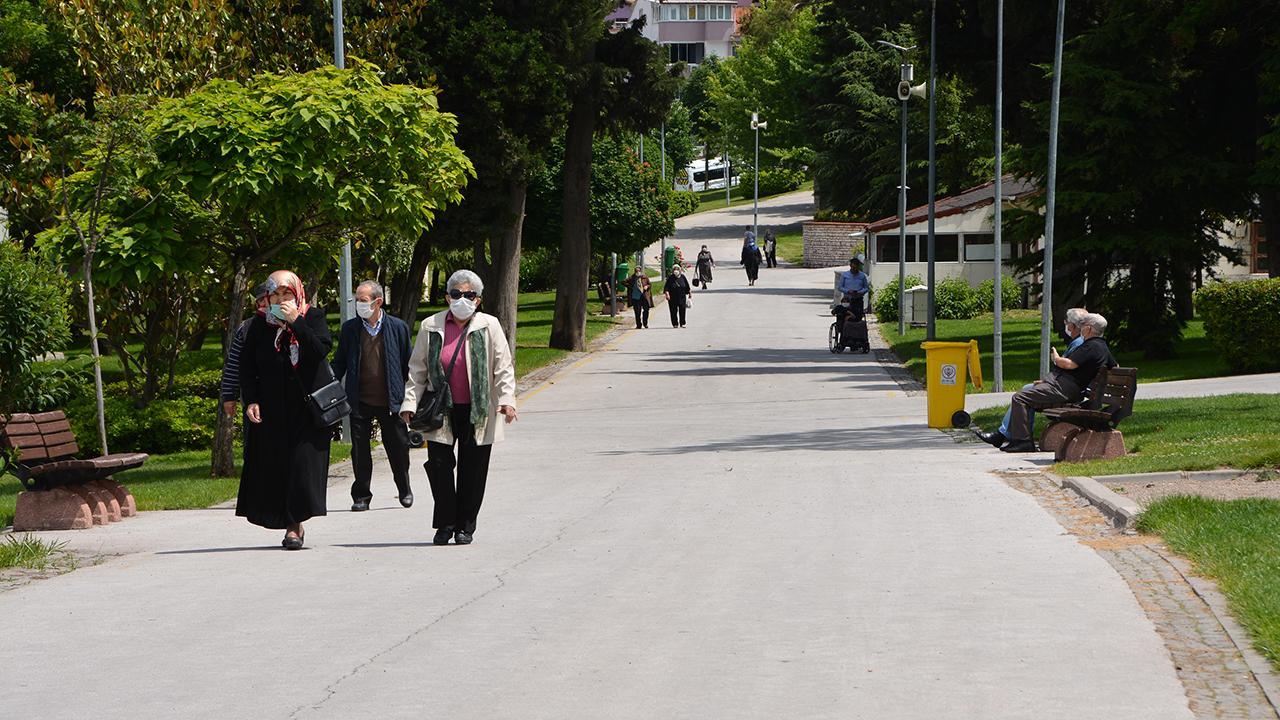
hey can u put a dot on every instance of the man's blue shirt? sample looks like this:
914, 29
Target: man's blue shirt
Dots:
850, 282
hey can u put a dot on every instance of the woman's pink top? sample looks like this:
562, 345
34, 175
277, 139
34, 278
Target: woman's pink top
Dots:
458, 385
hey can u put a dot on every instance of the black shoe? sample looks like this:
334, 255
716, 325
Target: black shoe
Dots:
360, 505
996, 438
292, 542
406, 500
462, 538
1019, 446
442, 536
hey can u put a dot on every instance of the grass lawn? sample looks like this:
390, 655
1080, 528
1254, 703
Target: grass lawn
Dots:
1235, 542
739, 195
1231, 431
1197, 356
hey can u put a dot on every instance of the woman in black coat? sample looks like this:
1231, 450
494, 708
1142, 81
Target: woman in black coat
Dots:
676, 289
750, 260
286, 460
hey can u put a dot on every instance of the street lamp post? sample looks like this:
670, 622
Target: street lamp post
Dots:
905, 77
344, 264
756, 124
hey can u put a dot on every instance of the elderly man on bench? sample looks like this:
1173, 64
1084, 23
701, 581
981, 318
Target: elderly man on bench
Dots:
1067, 381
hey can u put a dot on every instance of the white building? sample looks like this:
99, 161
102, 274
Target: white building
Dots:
691, 30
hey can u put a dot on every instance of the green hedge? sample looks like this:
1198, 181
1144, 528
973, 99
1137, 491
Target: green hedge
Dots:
1242, 319
683, 203
774, 181
885, 300
956, 299
1010, 296
183, 419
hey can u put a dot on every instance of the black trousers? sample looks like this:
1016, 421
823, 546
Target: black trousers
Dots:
676, 307
458, 498
395, 439
771, 257
1047, 394
641, 309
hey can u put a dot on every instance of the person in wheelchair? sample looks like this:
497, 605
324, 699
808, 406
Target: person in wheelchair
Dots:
853, 288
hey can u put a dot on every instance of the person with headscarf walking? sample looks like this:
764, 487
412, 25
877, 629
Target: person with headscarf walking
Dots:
640, 296
677, 291
751, 259
286, 457
479, 386
705, 263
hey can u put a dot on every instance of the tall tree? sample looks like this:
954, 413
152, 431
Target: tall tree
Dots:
626, 87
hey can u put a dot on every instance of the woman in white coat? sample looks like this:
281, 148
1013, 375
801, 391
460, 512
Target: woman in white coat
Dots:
481, 387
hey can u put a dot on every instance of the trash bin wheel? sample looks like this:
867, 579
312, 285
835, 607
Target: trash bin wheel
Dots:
960, 419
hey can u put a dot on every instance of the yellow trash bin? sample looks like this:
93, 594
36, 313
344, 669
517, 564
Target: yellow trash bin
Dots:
945, 381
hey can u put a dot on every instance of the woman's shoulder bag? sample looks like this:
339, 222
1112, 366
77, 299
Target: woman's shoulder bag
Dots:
328, 404
430, 414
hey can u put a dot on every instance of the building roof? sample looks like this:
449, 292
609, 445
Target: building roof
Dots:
964, 201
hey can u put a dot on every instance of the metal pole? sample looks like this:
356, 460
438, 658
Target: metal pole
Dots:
1046, 298
642, 148
613, 281
344, 264
755, 207
664, 152
930, 331
998, 340
728, 179
902, 218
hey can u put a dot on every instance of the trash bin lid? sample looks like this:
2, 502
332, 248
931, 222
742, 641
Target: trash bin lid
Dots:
939, 345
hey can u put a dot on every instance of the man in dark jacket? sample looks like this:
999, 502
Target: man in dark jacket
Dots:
1068, 379
373, 362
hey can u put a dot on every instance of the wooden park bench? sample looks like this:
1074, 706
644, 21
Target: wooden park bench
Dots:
1088, 431
63, 492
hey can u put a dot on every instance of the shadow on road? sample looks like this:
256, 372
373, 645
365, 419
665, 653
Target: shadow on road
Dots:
897, 437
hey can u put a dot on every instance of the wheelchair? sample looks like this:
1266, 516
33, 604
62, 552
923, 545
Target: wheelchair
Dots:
849, 329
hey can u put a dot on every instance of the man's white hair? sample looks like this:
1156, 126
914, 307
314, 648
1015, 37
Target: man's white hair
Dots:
466, 277
1095, 321
1075, 315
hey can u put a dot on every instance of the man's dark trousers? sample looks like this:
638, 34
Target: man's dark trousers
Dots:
395, 440
1053, 392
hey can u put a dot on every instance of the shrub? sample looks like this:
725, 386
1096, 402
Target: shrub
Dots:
774, 180
57, 384
33, 321
683, 203
167, 425
1242, 319
538, 269
1010, 297
199, 383
885, 300
956, 299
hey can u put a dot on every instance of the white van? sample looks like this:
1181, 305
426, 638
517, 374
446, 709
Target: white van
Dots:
705, 175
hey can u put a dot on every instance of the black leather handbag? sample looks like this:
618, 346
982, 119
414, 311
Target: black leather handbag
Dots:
430, 414
328, 405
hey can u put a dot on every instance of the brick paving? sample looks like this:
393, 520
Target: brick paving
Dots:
1218, 681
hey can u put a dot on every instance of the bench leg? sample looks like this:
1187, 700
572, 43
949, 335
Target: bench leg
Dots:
96, 501
128, 506
56, 509
1056, 436
1095, 445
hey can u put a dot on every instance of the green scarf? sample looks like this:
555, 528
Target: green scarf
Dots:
479, 374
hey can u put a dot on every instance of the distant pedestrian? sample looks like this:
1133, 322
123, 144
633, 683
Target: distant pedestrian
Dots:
480, 388
749, 235
770, 249
751, 260
676, 290
229, 388
286, 457
373, 362
640, 295
705, 263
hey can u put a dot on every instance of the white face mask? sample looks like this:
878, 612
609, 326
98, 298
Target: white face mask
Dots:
364, 309
462, 308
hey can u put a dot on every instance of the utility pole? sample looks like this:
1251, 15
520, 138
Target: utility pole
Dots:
344, 265
998, 339
756, 125
906, 75
1046, 297
931, 330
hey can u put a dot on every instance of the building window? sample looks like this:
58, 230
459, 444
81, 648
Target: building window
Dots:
887, 247
946, 247
696, 12
692, 53
981, 246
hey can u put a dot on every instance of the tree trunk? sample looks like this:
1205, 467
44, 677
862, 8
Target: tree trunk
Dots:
503, 288
97, 356
569, 326
223, 461
1183, 281
407, 286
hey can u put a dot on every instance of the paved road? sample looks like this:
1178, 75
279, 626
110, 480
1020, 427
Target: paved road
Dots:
724, 521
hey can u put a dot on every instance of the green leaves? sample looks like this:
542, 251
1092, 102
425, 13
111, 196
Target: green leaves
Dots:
33, 321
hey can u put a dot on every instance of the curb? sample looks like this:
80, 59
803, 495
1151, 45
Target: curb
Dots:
1122, 511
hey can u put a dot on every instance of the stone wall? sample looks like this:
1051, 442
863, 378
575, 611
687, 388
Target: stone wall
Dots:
829, 243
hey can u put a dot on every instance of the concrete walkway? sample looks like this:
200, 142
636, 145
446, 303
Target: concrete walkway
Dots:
725, 521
